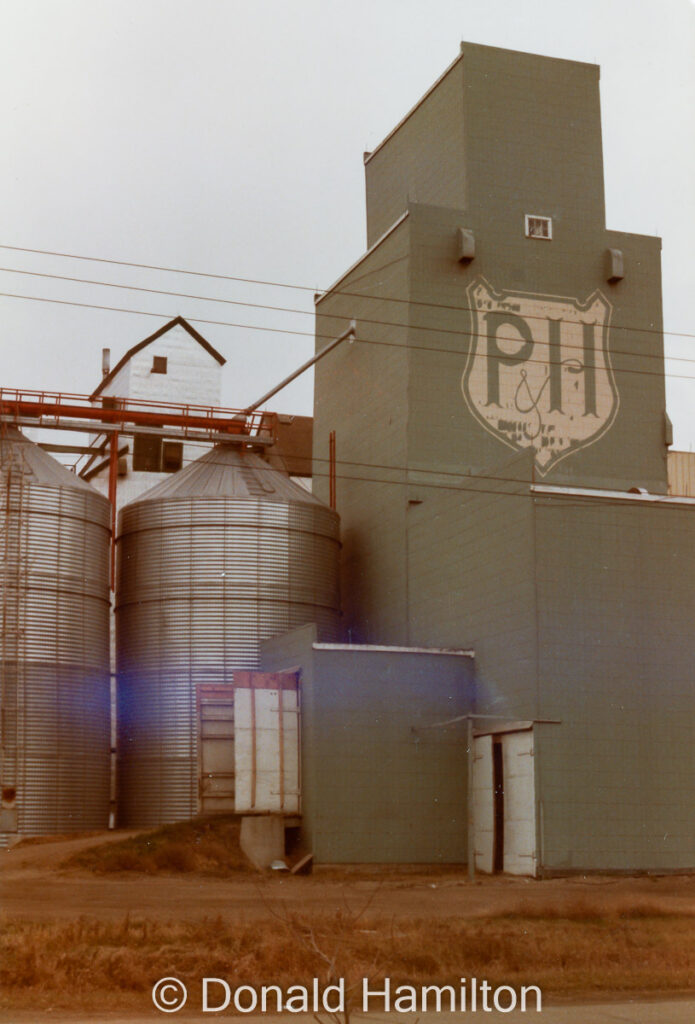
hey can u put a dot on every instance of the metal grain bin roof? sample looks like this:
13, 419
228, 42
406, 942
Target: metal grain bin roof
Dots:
37, 466
227, 472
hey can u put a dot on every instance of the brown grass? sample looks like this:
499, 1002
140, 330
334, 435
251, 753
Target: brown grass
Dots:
208, 846
571, 908
570, 951
56, 837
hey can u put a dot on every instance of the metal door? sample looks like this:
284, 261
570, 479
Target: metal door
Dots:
267, 742
519, 803
216, 748
483, 804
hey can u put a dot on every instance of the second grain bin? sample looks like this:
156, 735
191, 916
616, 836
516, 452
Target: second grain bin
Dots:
224, 554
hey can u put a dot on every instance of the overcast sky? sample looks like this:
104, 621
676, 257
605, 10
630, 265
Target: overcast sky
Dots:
227, 137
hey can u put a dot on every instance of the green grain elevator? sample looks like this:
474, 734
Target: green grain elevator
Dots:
501, 440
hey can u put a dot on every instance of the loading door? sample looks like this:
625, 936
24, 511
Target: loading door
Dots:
519, 803
504, 811
266, 748
483, 804
215, 748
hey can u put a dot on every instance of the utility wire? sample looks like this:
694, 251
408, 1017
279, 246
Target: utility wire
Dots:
303, 312
462, 486
161, 316
310, 334
297, 287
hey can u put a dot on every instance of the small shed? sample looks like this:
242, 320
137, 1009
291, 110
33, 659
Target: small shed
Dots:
377, 784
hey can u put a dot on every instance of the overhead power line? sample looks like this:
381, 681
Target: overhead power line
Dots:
384, 466
410, 347
468, 485
304, 312
299, 287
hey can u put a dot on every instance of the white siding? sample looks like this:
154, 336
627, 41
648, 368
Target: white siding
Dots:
519, 803
266, 750
193, 377
193, 374
120, 385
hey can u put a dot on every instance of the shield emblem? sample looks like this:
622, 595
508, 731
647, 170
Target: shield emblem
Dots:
538, 373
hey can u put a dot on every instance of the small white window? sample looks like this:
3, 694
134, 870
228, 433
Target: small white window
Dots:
538, 227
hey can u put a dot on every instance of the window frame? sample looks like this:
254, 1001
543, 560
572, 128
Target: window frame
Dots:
543, 219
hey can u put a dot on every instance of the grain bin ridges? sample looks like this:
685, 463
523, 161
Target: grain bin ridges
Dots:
212, 561
54, 645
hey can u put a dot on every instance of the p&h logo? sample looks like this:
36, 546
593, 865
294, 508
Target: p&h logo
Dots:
538, 373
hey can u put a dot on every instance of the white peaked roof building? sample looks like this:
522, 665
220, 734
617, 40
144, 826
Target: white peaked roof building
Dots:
175, 364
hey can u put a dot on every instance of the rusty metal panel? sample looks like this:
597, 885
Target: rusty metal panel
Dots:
219, 557
54, 645
216, 748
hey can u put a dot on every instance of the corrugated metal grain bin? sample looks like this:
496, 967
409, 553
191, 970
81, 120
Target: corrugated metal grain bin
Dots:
222, 555
54, 645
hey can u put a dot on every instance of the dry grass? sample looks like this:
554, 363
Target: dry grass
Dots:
208, 846
591, 909
57, 837
568, 951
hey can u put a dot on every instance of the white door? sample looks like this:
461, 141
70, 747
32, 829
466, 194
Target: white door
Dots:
266, 747
483, 804
519, 803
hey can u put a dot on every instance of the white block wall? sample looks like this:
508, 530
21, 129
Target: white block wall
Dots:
193, 377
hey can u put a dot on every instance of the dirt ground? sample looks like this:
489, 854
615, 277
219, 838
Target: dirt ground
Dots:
34, 885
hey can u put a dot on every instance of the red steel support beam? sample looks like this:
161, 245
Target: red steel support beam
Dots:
113, 482
123, 415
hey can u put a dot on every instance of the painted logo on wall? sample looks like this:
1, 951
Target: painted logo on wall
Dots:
538, 373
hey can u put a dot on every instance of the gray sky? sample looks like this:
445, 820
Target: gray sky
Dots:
227, 137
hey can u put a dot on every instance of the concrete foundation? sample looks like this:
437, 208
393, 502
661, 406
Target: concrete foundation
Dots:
263, 838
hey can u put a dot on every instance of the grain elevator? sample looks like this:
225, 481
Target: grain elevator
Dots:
501, 439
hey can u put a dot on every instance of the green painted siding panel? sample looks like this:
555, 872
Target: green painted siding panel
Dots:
471, 583
579, 611
378, 785
360, 392
616, 614
533, 139
403, 170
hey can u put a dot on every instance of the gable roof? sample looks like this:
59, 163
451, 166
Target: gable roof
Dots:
176, 322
